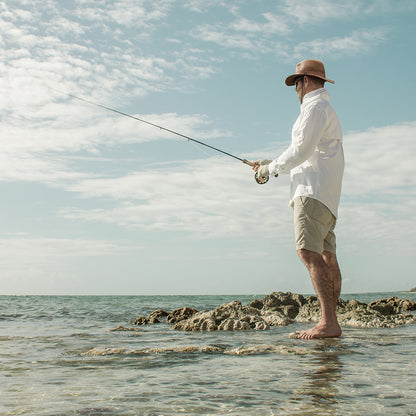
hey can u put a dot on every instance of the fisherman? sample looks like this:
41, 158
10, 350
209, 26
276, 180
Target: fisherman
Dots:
315, 161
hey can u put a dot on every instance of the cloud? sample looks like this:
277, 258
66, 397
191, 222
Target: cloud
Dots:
244, 34
215, 198
272, 24
50, 249
272, 32
380, 162
41, 148
205, 198
20, 166
50, 265
74, 49
201, 6
312, 11
379, 188
358, 42
124, 13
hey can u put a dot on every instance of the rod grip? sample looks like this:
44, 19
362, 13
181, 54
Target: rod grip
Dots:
247, 162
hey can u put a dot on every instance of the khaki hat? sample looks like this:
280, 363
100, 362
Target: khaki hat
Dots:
308, 67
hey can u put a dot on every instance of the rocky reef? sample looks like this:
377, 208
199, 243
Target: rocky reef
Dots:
281, 309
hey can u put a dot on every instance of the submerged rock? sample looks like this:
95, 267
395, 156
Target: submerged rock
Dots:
284, 308
123, 328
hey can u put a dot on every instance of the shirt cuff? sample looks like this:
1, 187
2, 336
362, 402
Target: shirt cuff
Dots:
273, 168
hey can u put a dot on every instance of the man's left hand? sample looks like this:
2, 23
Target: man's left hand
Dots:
261, 170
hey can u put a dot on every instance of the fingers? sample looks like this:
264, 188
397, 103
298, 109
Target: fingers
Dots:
254, 165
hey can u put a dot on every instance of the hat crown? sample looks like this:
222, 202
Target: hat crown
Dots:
311, 67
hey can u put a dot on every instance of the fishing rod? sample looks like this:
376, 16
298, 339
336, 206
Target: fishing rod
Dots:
260, 180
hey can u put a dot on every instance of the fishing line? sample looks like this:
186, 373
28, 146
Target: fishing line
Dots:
260, 180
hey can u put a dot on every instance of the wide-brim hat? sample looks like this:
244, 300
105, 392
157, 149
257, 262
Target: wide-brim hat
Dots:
309, 67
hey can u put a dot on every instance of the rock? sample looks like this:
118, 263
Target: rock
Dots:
408, 305
382, 313
226, 317
201, 321
291, 311
233, 316
123, 328
233, 325
277, 300
156, 316
276, 319
141, 320
153, 317
383, 308
256, 304
261, 326
309, 311
180, 314
392, 305
281, 309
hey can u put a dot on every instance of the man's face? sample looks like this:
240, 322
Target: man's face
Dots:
299, 88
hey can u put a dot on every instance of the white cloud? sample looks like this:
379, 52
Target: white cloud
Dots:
53, 46
216, 198
246, 34
377, 7
358, 42
378, 205
20, 166
49, 265
211, 198
126, 13
380, 163
201, 6
40, 149
273, 24
53, 249
312, 11
267, 33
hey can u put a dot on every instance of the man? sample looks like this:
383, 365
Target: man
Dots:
315, 161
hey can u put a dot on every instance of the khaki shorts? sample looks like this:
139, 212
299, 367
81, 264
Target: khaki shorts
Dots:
314, 225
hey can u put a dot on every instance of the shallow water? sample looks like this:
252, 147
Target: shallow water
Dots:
59, 357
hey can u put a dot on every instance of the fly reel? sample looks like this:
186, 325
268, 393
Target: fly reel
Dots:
261, 180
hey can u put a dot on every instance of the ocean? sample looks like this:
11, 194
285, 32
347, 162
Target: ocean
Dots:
59, 356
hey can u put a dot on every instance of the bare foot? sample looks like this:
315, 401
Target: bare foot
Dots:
320, 331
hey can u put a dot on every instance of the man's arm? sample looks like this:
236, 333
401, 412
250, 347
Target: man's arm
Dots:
305, 139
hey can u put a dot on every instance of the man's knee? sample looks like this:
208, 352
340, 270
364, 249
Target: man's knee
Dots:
330, 258
309, 257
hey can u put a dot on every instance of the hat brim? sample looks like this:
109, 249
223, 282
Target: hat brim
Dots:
290, 80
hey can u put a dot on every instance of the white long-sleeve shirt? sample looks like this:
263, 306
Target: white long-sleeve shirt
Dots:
315, 158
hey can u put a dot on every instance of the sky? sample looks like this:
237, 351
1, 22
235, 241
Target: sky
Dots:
94, 203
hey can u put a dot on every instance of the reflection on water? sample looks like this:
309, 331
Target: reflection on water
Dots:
318, 395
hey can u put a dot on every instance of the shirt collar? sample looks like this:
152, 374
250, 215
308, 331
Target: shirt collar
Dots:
319, 93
